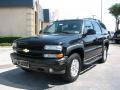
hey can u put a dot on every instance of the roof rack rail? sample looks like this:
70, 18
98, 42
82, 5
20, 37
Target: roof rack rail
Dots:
93, 19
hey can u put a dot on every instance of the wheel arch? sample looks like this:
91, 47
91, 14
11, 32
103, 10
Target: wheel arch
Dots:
79, 51
106, 44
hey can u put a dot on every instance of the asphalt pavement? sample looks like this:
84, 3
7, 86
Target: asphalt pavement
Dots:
96, 77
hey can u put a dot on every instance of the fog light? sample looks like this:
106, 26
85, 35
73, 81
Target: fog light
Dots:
50, 70
53, 56
49, 55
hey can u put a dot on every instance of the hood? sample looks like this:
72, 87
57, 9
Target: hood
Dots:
51, 39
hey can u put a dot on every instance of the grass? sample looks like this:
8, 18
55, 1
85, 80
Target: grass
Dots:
7, 40
5, 44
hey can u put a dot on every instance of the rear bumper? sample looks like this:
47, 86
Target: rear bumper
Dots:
43, 65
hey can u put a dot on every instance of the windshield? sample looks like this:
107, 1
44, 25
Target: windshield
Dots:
65, 26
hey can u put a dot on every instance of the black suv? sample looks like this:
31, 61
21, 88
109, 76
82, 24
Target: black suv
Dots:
116, 36
64, 47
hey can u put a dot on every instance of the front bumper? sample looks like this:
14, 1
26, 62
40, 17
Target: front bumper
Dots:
42, 65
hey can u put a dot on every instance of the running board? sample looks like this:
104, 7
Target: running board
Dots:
91, 61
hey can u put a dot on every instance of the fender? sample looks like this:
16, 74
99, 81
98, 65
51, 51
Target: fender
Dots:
105, 41
74, 47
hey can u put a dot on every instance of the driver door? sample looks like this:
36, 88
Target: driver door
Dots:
89, 42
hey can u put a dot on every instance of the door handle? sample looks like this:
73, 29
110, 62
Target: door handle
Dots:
96, 39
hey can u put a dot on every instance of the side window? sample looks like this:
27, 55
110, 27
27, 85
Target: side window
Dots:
97, 28
102, 25
87, 25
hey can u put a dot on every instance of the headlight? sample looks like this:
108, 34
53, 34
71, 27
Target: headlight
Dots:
14, 44
53, 47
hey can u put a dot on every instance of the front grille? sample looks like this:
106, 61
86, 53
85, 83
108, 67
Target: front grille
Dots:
30, 54
30, 46
35, 51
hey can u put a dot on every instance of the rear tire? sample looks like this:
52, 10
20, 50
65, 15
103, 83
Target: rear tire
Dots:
104, 55
116, 41
73, 68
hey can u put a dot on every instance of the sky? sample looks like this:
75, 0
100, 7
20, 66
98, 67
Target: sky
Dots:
73, 9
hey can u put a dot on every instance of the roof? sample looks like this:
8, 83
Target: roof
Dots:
70, 20
16, 3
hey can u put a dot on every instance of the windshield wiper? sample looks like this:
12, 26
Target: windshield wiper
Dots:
66, 32
46, 32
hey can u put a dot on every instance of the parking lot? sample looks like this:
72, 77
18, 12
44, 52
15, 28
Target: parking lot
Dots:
96, 77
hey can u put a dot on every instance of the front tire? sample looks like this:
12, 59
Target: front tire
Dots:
116, 41
26, 70
73, 68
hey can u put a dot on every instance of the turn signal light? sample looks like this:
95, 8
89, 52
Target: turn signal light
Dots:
59, 55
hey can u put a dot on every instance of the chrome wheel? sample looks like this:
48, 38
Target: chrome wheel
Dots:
105, 54
74, 68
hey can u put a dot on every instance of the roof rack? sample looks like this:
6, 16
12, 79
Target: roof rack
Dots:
93, 19
90, 18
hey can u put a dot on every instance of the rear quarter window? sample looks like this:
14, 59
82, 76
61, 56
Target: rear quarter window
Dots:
117, 32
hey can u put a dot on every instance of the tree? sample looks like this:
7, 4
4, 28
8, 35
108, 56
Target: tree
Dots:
115, 11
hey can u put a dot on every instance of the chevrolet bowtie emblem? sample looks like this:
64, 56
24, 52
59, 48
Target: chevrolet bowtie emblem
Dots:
26, 50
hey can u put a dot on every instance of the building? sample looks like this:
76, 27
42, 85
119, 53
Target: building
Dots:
20, 17
46, 17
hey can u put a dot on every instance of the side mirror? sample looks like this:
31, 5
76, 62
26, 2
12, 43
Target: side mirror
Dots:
40, 31
91, 32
